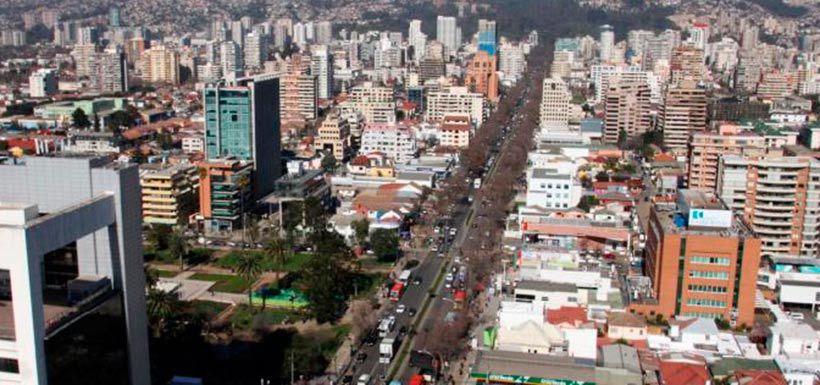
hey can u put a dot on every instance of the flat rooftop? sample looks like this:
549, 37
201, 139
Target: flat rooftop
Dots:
534, 365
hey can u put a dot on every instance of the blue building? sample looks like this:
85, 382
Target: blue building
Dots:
487, 38
242, 121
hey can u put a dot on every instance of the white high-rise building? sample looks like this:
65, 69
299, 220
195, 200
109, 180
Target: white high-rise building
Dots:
160, 64
699, 35
43, 83
511, 61
299, 36
416, 39
83, 55
74, 220
324, 32
238, 33
454, 101
231, 58
606, 43
555, 101
310, 31
447, 32
321, 66
256, 50
109, 72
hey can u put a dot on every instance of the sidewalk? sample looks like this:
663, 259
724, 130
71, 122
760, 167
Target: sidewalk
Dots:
460, 371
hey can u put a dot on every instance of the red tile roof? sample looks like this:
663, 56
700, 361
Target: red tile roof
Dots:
572, 315
759, 377
681, 373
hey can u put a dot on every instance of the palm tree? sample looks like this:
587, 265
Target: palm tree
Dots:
161, 307
151, 277
275, 250
178, 247
249, 267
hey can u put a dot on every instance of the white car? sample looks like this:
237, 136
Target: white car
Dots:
364, 379
401, 308
797, 316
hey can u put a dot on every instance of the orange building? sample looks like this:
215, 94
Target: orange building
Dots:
225, 193
702, 261
482, 76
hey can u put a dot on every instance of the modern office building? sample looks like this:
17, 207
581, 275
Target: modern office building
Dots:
780, 198
242, 121
71, 258
482, 76
375, 103
455, 101
43, 83
321, 66
511, 61
627, 110
447, 33
170, 193
705, 150
160, 64
334, 136
225, 194
487, 38
682, 114
555, 99
702, 261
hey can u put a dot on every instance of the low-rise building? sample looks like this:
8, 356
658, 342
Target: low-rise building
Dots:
626, 325
170, 193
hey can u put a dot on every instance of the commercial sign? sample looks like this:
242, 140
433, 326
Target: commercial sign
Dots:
710, 218
525, 380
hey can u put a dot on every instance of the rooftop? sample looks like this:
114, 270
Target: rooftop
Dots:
547, 286
496, 362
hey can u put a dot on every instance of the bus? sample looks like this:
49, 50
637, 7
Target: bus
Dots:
397, 291
404, 276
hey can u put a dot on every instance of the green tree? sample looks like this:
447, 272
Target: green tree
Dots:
178, 247
249, 267
96, 123
275, 250
587, 202
80, 119
327, 276
118, 119
361, 229
329, 163
158, 236
162, 308
622, 138
315, 214
385, 244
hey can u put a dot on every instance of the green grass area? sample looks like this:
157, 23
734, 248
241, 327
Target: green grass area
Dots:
293, 262
167, 273
224, 283
209, 310
195, 256
373, 262
245, 317
368, 284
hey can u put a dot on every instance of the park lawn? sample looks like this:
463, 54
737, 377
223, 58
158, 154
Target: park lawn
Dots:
293, 262
223, 283
243, 316
195, 256
368, 283
209, 310
167, 273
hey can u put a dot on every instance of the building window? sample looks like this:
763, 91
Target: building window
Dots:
701, 260
703, 302
708, 274
9, 365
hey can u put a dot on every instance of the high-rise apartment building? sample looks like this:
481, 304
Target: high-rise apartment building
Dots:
699, 35
321, 66
627, 110
114, 19
375, 103
447, 33
43, 83
256, 51
230, 54
687, 63
83, 55
299, 37
702, 262
108, 72
323, 32
170, 193
705, 150
682, 114
511, 61
160, 64
606, 43
397, 142
454, 101
482, 76
299, 94
416, 39
555, 99
88, 35
334, 136
242, 121
487, 39
779, 196
70, 230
